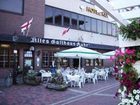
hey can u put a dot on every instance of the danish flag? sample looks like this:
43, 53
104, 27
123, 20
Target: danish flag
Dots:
65, 30
26, 25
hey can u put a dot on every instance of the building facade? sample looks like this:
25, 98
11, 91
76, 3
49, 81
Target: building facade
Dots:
87, 26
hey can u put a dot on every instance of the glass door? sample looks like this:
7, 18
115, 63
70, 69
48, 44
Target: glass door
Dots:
28, 58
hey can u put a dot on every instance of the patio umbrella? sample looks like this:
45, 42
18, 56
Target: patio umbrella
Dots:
78, 52
107, 55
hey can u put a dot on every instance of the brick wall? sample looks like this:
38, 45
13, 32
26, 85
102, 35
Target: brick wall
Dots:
10, 22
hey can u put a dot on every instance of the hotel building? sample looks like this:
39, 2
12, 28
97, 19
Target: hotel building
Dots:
88, 25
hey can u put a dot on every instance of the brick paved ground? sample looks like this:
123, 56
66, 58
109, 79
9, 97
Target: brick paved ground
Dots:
101, 93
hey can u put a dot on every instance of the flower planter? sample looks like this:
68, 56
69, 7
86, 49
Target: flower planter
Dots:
59, 87
33, 82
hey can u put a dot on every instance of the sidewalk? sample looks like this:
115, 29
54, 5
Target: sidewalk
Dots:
101, 93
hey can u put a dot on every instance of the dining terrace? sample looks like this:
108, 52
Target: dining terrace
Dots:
101, 93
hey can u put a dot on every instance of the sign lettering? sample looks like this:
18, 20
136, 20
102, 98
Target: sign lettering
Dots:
94, 11
57, 42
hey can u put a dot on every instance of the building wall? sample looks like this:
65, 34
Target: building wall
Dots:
74, 6
128, 43
10, 22
74, 35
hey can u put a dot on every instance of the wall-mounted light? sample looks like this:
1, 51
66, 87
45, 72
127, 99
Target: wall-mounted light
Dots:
32, 48
15, 51
5, 45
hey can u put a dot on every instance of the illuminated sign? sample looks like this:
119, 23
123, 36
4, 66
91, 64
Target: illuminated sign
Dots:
94, 11
56, 42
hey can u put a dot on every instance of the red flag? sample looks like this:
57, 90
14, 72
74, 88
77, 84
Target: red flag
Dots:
26, 25
66, 30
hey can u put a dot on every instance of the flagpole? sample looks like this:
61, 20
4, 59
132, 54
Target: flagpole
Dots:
27, 31
23, 32
26, 27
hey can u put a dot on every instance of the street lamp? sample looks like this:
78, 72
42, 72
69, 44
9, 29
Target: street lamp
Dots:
15, 67
15, 38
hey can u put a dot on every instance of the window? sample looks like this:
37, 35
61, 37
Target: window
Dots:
51, 58
13, 58
104, 27
109, 31
98, 62
87, 24
7, 58
66, 18
89, 62
99, 26
15, 6
64, 62
58, 17
114, 29
47, 58
81, 22
93, 25
49, 15
74, 21
28, 58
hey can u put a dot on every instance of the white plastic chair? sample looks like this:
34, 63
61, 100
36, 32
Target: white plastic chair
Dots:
45, 74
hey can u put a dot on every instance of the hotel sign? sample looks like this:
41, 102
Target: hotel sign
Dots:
94, 11
57, 42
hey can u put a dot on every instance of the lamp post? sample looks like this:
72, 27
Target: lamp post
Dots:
15, 38
15, 67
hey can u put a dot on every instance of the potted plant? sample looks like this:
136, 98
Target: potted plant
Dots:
32, 78
57, 82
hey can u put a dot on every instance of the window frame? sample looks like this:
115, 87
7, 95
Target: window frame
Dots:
13, 12
52, 10
98, 30
10, 58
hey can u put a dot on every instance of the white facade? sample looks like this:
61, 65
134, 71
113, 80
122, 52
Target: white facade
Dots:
77, 6
128, 43
128, 9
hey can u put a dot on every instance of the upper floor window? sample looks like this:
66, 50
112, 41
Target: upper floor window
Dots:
66, 18
49, 15
99, 26
81, 22
15, 6
114, 30
104, 24
58, 17
93, 25
87, 23
74, 21
109, 31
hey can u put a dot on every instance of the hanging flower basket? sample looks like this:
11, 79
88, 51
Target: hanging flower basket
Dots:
128, 74
131, 31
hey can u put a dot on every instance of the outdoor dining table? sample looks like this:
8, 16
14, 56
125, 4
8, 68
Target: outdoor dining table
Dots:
74, 80
89, 77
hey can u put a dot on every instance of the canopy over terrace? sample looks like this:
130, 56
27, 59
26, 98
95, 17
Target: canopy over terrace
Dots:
78, 52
